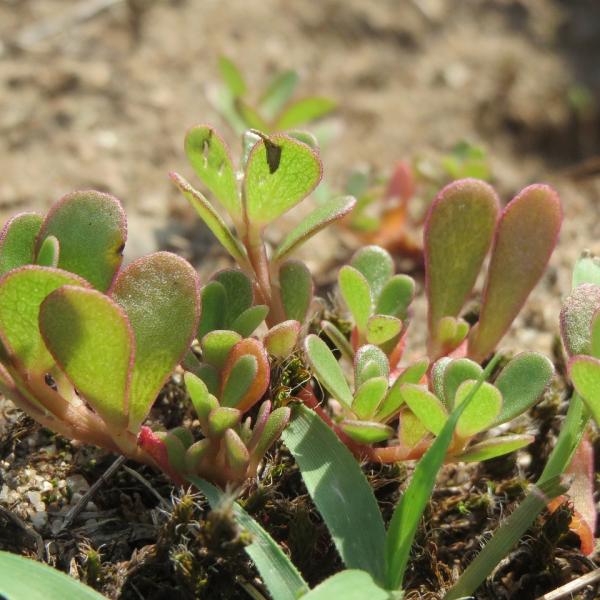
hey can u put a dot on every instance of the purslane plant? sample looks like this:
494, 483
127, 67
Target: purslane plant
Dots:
86, 345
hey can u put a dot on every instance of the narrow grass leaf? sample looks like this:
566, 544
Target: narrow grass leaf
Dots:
340, 492
351, 584
279, 575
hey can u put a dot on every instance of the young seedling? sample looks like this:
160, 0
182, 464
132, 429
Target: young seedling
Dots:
275, 111
86, 345
278, 173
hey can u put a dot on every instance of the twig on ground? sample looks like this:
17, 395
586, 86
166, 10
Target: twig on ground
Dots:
147, 484
30, 531
566, 590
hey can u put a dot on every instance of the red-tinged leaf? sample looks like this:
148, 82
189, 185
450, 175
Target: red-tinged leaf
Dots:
261, 381
92, 341
154, 446
17, 241
525, 238
458, 233
22, 291
576, 318
91, 229
274, 426
161, 297
281, 340
236, 453
401, 184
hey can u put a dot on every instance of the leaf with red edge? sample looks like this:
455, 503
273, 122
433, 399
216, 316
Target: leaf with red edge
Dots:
458, 233
281, 339
259, 386
17, 241
154, 445
525, 238
161, 297
91, 229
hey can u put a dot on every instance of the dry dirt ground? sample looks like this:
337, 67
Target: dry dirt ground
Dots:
103, 100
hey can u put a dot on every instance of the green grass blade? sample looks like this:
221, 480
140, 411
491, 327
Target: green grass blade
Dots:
408, 512
340, 492
351, 584
506, 537
281, 577
304, 111
25, 579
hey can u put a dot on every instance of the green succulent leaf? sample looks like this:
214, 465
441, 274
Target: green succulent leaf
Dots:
236, 453
232, 77
246, 323
370, 361
327, 213
576, 317
279, 91
222, 418
296, 289
382, 328
482, 410
425, 406
212, 219
49, 252
414, 373
217, 345
437, 376
17, 241
356, 291
455, 373
526, 236
586, 270
366, 432
209, 156
595, 335
368, 397
458, 233
22, 578
176, 452
91, 230
521, 383
450, 333
304, 111
275, 424
281, 339
238, 289
160, 294
213, 299
202, 400
280, 173
210, 376
494, 447
376, 265
411, 430
92, 340
22, 291
240, 379
196, 454
327, 369
396, 296
584, 372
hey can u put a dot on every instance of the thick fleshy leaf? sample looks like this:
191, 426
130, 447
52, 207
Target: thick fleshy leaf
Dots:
238, 289
246, 323
576, 317
48, 253
436, 377
356, 291
327, 369
239, 380
21, 293
521, 383
455, 373
366, 432
216, 346
222, 418
209, 156
370, 361
414, 373
382, 328
482, 409
280, 173
175, 452
202, 400
91, 230
586, 270
25, 579
595, 335
338, 338
584, 372
304, 111
458, 233
278, 92
327, 213
213, 302
161, 297
525, 238
376, 265
195, 454
396, 296
91, 339
236, 453
411, 430
425, 406
17, 241
296, 289
249, 346
368, 396
212, 219
275, 424
450, 332
210, 376
281, 339
495, 447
